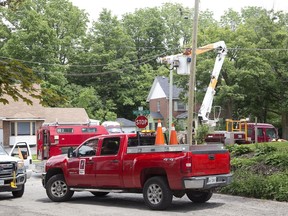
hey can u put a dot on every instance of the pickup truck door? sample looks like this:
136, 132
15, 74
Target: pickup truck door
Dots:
109, 164
81, 167
22, 150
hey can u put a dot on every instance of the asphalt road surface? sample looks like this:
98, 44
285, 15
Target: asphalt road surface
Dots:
35, 202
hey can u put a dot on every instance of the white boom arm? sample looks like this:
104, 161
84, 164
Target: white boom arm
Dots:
206, 106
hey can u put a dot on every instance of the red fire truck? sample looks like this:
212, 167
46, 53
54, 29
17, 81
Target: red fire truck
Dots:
55, 139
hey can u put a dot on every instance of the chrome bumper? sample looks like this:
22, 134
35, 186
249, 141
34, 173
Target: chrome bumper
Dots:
207, 182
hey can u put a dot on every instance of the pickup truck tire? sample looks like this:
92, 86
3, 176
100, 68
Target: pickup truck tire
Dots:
199, 196
19, 193
57, 189
157, 194
100, 194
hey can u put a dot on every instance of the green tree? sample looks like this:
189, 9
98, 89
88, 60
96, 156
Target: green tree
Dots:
109, 56
15, 77
44, 36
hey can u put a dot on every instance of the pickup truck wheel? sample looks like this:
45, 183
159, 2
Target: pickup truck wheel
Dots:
100, 194
18, 193
157, 194
57, 189
199, 196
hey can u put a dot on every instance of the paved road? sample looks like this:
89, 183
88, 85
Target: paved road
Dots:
35, 202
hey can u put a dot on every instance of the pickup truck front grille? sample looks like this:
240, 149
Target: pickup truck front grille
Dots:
6, 169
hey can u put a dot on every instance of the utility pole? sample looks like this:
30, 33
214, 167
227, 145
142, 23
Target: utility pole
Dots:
192, 74
170, 99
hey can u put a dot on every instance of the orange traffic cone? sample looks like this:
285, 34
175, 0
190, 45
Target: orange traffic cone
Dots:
159, 140
173, 136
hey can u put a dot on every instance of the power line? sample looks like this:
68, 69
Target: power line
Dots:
67, 65
131, 62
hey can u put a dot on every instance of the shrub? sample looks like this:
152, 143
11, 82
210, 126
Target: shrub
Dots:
277, 187
230, 148
241, 149
202, 132
278, 159
264, 149
245, 183
237, 163
264, 175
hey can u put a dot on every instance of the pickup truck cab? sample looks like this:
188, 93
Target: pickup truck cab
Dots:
131, 163
12, 174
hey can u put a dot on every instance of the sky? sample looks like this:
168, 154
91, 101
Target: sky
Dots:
119, 7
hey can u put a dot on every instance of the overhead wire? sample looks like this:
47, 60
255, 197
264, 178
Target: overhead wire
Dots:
83, 73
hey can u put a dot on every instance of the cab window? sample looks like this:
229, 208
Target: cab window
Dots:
271, 133
89, 148
110, 146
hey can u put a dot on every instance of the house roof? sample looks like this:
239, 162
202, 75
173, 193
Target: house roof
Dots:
66, 115
126, 122
156, 115
164, 85
21, 111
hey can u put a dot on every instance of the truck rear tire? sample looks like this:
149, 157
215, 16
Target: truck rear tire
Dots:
19, 193
199, 196
157, 194
57, 189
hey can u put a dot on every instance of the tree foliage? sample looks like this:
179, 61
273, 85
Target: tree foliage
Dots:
108, 68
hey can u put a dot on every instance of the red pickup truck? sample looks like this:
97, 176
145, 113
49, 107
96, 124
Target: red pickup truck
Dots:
131, 163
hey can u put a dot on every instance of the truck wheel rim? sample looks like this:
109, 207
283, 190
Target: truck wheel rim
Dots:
154, 194
59, 188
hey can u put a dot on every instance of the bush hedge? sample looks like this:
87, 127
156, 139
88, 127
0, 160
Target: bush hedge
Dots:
259, 171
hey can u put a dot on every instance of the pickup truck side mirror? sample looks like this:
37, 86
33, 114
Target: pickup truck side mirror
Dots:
70, 152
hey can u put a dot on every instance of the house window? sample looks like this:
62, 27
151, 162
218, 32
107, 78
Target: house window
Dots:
158, 106
155, 125
179, 106
151, 126
12, 129
22, 128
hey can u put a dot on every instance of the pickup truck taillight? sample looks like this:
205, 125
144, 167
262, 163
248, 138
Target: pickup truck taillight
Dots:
186, 165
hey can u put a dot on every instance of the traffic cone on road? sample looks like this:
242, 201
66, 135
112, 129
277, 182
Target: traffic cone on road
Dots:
159, 140
173, 136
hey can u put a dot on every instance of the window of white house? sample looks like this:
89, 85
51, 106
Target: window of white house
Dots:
158, 106
22, 128
179, 106
12, 129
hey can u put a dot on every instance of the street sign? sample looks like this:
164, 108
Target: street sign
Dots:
141, 122
141, 112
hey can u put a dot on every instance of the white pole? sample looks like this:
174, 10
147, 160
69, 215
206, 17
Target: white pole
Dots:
170, 98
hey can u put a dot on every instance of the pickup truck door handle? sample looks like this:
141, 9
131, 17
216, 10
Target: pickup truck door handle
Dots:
90, 162
115, 161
